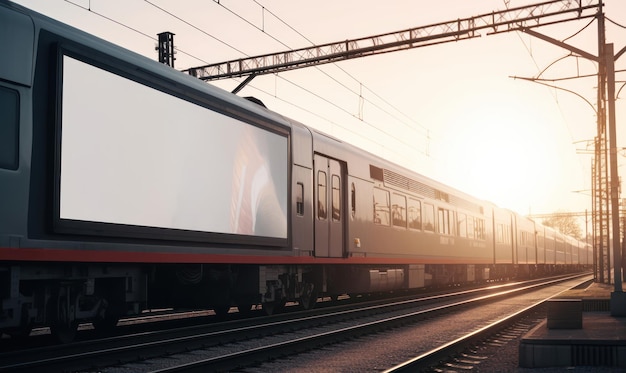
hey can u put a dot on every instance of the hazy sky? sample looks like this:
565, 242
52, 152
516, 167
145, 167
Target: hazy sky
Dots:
452, 112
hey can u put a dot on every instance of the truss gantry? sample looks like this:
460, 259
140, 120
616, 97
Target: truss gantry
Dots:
514, 19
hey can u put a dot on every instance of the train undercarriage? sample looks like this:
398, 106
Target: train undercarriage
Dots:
63, 296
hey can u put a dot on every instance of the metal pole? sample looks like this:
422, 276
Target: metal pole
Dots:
601, 217
617, 252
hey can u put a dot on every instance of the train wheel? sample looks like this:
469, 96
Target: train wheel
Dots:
221, 310
309, 297
275, 307
245, 309
21, 333
25, 328
106, 324
109, 316
63, 324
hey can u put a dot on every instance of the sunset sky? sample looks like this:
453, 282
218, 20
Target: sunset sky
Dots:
453, 112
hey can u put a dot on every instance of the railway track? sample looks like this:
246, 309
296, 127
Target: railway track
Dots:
241, 343
458, 354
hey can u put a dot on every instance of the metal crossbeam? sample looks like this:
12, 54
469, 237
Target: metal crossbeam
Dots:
514, 19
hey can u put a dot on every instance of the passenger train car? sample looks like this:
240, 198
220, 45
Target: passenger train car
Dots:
126, 185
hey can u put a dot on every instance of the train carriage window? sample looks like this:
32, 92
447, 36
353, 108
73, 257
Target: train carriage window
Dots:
353, 200
446, 218
479, 228
503, 233
429, 217
336, 196
300, 199
462, 225
499, 233
415, 214
398, 210
381, 207
507, 234
9, 128
321, 195
471, 231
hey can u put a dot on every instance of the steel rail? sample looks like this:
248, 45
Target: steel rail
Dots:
432, 357
252, 356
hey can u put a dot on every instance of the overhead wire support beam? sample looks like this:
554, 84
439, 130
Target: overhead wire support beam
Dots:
561, 44
513, 19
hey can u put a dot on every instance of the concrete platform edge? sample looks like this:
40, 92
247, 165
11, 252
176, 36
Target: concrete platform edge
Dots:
538, 350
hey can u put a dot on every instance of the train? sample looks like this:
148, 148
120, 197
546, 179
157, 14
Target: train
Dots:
127, 186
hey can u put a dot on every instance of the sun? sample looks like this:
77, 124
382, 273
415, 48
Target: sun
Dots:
504, 152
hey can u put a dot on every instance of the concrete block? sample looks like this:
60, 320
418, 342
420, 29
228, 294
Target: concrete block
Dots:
526, 355
551, 356
621, 357
618, 304
565, 314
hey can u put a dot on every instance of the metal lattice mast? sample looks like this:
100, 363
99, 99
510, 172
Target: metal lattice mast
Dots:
601, 195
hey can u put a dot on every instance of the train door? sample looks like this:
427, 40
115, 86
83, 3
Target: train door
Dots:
329, 211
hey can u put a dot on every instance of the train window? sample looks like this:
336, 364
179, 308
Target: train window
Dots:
398, 210
353, 200
9, 128
499, 233
479, 228
381, 206
321, 195
523, 238
336, 203
429, 217
507, 234
415, 214
300, 199
471, 231
462, 225
445, 220
503, 233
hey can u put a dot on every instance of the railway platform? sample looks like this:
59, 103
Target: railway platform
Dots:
581, 333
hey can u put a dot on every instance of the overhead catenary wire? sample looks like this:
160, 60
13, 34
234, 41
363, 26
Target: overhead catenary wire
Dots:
377, 128
345, 71
358, 94
151, 37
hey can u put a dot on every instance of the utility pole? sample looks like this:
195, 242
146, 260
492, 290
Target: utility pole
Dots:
609, 56
606, 176
601, 195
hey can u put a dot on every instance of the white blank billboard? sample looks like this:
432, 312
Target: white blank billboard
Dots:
133, 155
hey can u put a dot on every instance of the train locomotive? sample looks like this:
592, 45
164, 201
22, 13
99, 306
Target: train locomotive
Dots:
127, 186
